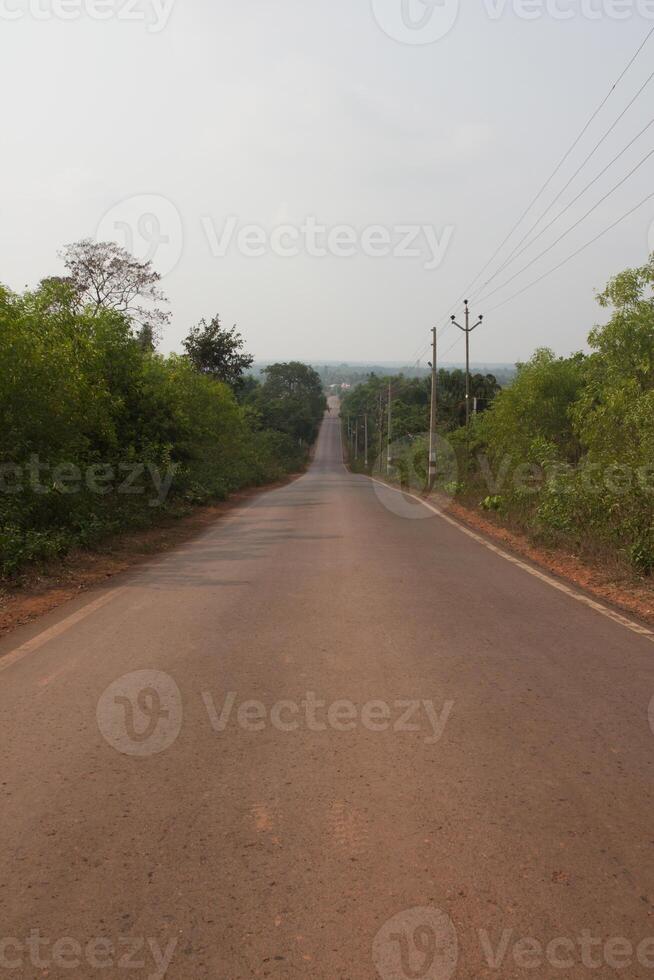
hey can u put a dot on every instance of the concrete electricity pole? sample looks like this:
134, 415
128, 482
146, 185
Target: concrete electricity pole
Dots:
432, 415
390, 421
365, 450
467, 331
381, 432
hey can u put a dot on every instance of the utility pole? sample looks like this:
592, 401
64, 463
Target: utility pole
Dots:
356, 437
390, 421
381, 432
432, 415
467, 331
365, 429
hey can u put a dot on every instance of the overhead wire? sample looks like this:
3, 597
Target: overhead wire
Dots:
574, 254
517, 251
549, 180
572, 227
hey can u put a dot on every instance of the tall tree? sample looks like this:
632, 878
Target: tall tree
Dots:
218, 352
291, 400
105, 276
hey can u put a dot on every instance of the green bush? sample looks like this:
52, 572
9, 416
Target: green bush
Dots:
587, 423
80, 394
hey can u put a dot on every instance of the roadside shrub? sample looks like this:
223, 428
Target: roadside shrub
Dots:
567, 451
81, 396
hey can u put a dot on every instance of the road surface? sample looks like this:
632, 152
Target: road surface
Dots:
327, 740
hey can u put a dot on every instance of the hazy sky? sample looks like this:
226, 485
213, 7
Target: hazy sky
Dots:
174, 126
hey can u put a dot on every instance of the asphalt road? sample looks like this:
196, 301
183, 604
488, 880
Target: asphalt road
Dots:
444, 768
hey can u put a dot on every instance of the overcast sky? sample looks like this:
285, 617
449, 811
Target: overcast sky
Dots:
421, 129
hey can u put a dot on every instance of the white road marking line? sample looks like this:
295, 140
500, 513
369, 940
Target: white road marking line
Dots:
599, 607
50, 634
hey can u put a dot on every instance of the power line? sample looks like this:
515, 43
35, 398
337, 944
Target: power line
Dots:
575, 199
573, 255
566, 154
549, 180
452, 346
422, 351
608, 132
427, 346
570, 229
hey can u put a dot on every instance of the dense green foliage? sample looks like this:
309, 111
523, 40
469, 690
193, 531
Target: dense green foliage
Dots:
534, 411
217, 352
410, 401
591, 440
291, 400
99, 432
584, 427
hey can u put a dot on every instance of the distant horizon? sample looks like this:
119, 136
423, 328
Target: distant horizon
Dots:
320, 362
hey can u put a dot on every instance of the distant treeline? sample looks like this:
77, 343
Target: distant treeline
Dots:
337, 374
565, 452
99, 432
410, 403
